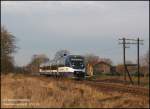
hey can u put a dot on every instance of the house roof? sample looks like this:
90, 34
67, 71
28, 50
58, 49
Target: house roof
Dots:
102, 62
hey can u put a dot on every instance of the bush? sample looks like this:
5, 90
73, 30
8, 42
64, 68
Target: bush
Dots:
136, 74
117, 74
113, 74
107, 74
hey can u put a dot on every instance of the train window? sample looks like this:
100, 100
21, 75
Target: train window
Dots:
77, 64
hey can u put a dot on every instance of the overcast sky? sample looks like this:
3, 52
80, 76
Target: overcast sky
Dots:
79, 26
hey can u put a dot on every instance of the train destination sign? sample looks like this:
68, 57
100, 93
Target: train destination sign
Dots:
76, 59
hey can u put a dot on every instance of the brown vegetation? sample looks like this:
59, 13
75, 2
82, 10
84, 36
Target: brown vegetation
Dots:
48, 92
33, 66
8, 46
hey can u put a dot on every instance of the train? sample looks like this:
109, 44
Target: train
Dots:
72, 66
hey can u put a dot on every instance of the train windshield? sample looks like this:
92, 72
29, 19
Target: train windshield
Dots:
77, 63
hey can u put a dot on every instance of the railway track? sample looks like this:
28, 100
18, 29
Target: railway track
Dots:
123, 88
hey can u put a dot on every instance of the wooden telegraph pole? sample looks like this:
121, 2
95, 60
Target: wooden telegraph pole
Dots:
138, 56
124, 57
124, 42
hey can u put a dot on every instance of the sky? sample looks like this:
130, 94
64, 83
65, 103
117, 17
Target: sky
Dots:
82, 27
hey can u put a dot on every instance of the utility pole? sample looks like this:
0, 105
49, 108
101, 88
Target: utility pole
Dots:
138, 56
124, 57
125, 65
138, 61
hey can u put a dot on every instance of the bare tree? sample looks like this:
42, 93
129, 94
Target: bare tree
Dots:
146, 58
144, 63
145, 66
59, 54
90, 61
8, 46
36, 60
120, 68
91, 58
106, 60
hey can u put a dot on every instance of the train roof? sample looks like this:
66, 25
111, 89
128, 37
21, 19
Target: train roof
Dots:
62, 58
75, 56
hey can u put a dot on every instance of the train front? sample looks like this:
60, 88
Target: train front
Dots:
77, 64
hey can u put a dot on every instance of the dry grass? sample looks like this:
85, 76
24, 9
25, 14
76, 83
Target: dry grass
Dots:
52, 93
144, 81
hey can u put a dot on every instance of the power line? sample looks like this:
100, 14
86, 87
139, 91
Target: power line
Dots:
124, 43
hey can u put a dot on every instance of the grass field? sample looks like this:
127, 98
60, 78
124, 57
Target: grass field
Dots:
18, 90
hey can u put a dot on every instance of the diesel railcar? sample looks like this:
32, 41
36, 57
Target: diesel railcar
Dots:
67, 66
